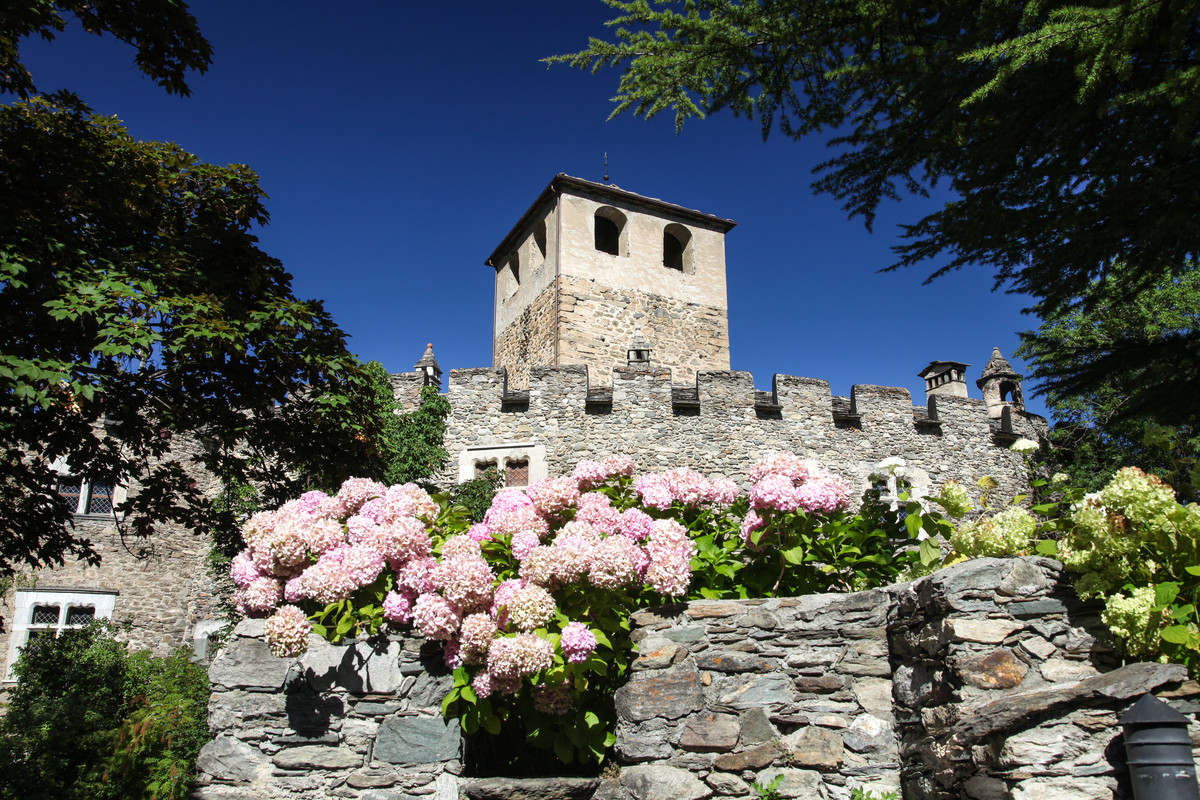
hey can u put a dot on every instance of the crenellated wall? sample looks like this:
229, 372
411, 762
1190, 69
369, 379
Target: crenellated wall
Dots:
722, 425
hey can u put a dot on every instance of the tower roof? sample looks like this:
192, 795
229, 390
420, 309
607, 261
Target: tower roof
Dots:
938, 367
563, 181
998, 365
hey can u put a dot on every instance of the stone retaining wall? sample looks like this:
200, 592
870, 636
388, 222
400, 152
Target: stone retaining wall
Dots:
987, 680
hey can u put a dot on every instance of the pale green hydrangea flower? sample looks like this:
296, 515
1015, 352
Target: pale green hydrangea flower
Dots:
1134, 623
1060, 477
1024, 446
1138, 496
1007, 533
954, 499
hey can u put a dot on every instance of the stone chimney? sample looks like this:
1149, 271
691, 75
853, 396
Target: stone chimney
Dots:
945, 379
428, 368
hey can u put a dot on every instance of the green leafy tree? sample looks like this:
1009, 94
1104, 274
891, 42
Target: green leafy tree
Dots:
1066, 132
86, 720
135, 308
1099, 371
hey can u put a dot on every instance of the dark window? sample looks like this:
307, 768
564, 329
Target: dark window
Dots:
608, 236
80, 615
69, 489
481, 467
516, 473
672, 252
100, 499
44, 615
539, 238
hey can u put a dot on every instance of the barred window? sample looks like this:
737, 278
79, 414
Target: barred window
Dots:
48, 612
516, 473
85, 497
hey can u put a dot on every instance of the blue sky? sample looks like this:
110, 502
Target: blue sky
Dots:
400, 141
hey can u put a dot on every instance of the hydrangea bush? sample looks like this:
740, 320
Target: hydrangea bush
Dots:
533, 603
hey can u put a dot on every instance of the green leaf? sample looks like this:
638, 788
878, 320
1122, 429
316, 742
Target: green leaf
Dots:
1047, 547
1165, 593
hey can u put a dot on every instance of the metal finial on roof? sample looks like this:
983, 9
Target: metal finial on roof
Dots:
606, 167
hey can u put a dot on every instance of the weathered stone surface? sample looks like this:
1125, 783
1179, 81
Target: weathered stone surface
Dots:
726, 784
418, 740
976, 575
732, 661
685, 635
1041, 746
983, 631
657, 652
756, 727
660, 782
1058, 670
429, 689
753, 758
316, 757
1064, 789
357, 666
1036, 647
875, 696
818, 684
999, 669
229, 760
710, 732
796, 782
247, 663
530, 788
981, 787
669, 694
372, 778
759, 619
869, 734
643, 742
754, 691
815, 747
914, 684
1024, 579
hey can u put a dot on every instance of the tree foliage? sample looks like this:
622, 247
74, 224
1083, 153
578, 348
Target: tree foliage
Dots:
1067, 133
164, 34
88, 721
1103, 375
135, 309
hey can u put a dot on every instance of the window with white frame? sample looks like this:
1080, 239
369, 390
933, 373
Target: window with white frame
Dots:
519, 463
48, 612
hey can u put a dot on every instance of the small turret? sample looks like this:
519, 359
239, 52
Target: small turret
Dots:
1001, 386
429, 369
945, 379
639, 351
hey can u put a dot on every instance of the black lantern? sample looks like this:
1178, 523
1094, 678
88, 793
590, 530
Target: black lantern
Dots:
1159, 751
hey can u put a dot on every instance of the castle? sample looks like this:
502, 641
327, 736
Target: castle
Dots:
611, 335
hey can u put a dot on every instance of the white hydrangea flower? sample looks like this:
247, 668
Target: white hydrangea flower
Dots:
1024, 446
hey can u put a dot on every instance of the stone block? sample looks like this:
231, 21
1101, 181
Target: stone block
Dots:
661, 782
669, 694
229, 760
999, 669
358, 666
732, 661
753, 758
981, 631
246, 663
756, 727
418, 740
870, 734
709, 732
815, 747
313, 757
530, 788
756, 691
800, 783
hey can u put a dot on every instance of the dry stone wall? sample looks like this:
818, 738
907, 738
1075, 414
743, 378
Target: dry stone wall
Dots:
723, 426
529, 339
986, 681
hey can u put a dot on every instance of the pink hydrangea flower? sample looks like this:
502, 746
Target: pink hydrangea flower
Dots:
286, 632
577, 642
398, 607
615, 562
597, 510
416, 576
243, 570
475, 637
259, 597
518, 655
776, 492
687, 486
435, 618
654, 490
671, 552
723, 493
556, 700
553, 496
309, 502
480, 532
523, 543
356, 491
751, 523
530, 607
619, 466
588, 474
636, 524
824, 495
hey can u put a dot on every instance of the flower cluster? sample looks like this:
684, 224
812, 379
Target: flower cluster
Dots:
321, 549
954, 499
684, 486
1008, 533
784, 482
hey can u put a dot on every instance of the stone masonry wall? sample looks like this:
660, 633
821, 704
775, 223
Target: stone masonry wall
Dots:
723, 432
598, 324
529, 339
162, 582
984, 681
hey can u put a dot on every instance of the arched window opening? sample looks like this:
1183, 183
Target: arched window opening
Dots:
1006, 391
539, 239
676, 248
610, 225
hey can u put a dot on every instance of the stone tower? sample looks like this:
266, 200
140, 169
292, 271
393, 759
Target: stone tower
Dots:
590, 269
1001, 386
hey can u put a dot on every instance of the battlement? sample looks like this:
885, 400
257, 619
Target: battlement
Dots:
722, 424
724, 393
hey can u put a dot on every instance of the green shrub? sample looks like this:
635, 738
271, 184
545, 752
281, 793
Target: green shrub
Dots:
89, 721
